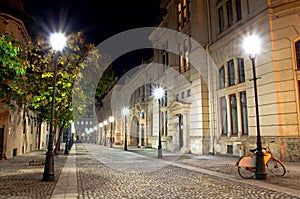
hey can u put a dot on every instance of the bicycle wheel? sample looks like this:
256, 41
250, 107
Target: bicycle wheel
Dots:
246, 172
276, 167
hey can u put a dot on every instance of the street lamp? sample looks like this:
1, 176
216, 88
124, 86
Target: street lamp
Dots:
105, 124
158, 94
58, 41
125, 112
111, 119
252, 46
100, 126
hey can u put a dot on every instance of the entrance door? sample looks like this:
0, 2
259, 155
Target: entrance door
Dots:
134, 132
1, 142
180, 128
142, 135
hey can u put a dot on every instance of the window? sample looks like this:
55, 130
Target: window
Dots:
233, 114
221, 19
182, 94
165, 55
183, 13
224, 125
165, 99
231, 73
241, 70
184, 50
244, 113
166, 123
162, 122
222, 77
297, 47
229, 12
238, 9
186, 55
188, 93
181, 59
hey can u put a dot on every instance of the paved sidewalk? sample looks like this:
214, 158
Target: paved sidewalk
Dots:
66, 186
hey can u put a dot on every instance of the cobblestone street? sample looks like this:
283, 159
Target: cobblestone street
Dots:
103, 172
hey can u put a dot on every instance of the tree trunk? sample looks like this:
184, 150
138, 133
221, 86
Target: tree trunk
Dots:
57, 146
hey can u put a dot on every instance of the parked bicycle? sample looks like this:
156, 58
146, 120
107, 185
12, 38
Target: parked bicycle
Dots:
247, 164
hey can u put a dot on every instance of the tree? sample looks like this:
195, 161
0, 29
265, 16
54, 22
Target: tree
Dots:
27, 75
39, 78
12, 67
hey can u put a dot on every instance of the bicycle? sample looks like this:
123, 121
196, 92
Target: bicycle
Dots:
247, 164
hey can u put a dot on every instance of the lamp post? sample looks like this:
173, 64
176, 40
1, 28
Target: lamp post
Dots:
105, 124
111, 119
125, 112
58, 41
252, 45
100, 126
158, 94
67, 144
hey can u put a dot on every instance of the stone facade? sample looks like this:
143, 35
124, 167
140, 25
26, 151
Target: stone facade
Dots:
210, 106
276, 23
19, 131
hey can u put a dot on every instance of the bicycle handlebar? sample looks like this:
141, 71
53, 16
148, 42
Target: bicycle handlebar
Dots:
254, 150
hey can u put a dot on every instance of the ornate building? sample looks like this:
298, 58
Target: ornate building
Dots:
209, 104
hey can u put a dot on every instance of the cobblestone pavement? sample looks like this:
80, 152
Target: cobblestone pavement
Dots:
103, 172
110, 173
226, 165
18, 179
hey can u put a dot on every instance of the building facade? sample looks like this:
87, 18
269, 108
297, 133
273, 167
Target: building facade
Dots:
19, 130
209, 103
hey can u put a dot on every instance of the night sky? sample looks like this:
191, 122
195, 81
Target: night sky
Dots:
99, 20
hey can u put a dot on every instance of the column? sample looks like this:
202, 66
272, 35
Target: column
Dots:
186, 134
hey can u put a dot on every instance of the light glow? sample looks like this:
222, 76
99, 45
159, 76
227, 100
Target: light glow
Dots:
58, 41
252, 45
125, 111
158, 92
111, 119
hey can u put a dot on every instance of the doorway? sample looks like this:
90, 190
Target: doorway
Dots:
180, 130
134, 132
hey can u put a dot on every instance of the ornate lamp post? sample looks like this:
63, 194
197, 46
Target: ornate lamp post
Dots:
252, 46
105, 131
58, 41
158, 94
100, 126
125, 112
111, 119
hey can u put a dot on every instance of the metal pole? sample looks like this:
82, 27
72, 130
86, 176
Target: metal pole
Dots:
105, 135
67, 145
125, 139
111, 141
260, 163
100, 141
49, 162
159, 151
